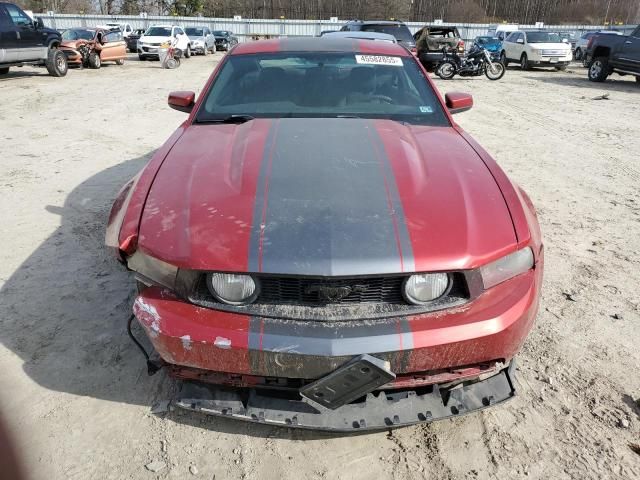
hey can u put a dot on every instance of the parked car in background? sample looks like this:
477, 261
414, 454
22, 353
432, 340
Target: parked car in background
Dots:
583, 41
503, 31
91, 47
202, 40
224, 39
132, 40
569, 37
384, 37
607, 54
156, 35
431, 43
125, 28
380, 269
491, 44
392, 27
324, 32
536, 48
25, 41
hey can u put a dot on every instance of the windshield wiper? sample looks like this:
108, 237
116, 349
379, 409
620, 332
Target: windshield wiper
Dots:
229, 119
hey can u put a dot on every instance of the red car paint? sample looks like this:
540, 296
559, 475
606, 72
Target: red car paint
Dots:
189, 215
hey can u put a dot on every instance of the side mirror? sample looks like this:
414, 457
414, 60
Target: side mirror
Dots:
182, 101
458, 102
520, 40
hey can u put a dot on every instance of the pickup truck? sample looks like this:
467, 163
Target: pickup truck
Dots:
607, 54
24, 41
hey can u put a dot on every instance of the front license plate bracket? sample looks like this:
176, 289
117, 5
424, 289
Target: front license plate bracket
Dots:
351, 381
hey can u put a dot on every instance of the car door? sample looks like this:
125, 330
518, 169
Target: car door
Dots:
27, 38
628, 57
509, 46
113, 47
8, 37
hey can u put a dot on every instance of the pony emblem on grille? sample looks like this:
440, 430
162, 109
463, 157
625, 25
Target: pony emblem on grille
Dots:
327, 293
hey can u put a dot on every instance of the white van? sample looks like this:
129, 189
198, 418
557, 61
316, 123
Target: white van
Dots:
502, 31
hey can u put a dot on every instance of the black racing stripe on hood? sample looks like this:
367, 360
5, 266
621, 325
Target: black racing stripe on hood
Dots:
327, 202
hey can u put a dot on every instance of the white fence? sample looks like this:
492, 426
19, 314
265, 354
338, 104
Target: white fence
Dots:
245, 28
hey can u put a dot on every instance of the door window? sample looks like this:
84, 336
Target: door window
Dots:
5, 19
636, 33
19, 18
113, 37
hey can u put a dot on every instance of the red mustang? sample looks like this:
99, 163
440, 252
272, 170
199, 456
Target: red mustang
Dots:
320, 245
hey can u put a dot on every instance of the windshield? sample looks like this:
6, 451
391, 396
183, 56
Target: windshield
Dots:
322, 85
544, 37
220, 33
401, 32
78, 34
158, 32
194, 32
487, 41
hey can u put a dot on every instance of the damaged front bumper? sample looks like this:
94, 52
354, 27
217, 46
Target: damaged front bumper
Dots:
376, 411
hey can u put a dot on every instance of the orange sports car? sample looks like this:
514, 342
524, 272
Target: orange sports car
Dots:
90, 47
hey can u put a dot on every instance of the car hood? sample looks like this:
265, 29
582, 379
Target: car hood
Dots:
73, 43
556, 46
324, 197
154, 39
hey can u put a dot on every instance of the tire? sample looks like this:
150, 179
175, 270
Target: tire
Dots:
504, 60
142, 58
95, 61
578, 55
495, 70
120, 61
446, 70
4, 71
187, 52
598, 69
524, 62
56, 63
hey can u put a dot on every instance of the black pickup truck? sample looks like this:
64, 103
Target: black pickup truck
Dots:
24, 41
607, 54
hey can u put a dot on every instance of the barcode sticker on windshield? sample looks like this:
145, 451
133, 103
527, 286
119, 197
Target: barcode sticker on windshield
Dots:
378, 60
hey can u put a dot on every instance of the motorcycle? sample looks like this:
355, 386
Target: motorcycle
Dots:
475, 63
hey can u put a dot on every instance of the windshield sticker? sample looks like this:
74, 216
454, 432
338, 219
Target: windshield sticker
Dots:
424, 109
378, 60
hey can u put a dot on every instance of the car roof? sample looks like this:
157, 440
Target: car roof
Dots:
325, 43
377, 22
362, 35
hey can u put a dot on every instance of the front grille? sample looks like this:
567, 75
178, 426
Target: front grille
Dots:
332, 298
553, 53
305, 291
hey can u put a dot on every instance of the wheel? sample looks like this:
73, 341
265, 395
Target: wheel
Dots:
599, 69
4, 71
94, 60
524, 62
120, 61
56, 63
446, 70
578, 54
187, 52
503, 59
495, 71
142, 58
172, 63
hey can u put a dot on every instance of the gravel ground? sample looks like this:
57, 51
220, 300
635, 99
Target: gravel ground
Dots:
75, 391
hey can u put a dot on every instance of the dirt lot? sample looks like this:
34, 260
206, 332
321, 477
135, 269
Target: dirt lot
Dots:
75, 390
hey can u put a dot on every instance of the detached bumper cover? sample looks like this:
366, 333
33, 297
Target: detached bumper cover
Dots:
378, 411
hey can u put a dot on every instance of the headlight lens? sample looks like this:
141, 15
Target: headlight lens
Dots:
423, 288
232, 288
507, 267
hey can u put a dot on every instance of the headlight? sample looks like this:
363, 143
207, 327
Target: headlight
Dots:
423, 288
232, 288
507, 267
